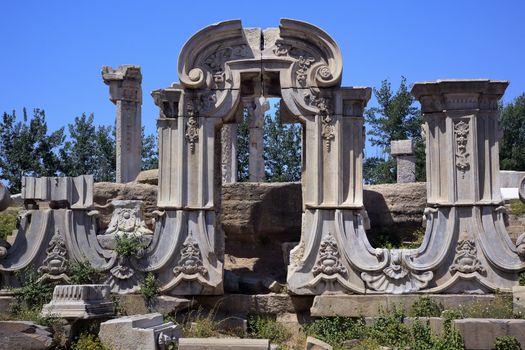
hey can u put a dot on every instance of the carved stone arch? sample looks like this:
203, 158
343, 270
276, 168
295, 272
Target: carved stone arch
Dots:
218, 67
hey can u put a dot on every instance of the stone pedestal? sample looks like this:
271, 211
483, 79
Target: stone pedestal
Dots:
85, 301
126, 93
403, 150
467, 247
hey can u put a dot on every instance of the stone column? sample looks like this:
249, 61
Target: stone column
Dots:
403, 150
256, 110
229, 153
126, 93
468, 247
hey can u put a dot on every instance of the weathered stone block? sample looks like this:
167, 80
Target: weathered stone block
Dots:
80, 302
401, 147
223, 344
369, 305
481, 333
143, 332
406, 169
24, 335
77, 192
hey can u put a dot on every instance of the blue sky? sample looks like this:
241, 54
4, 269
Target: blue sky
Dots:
52, 51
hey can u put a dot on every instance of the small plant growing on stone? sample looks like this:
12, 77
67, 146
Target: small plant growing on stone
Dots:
149, 289
426, 307
130, 246
499, 307
521, 279
87, 341
81, 272
335, 330
389, 329
451, 339
31, 296
507, 343
421, 337
266, 328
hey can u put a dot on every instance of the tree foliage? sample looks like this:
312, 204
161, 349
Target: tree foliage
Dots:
395, 118
512, 144
282, 149
150, 158
26, 148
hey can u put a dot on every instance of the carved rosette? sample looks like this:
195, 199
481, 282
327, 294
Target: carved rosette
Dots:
461, 132
466, 260
328, 262
190, 262
397, 277
55, 264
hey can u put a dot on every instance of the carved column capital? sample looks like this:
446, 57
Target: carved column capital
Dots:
124, 83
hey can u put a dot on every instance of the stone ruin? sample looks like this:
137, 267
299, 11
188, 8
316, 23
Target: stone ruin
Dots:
225, 68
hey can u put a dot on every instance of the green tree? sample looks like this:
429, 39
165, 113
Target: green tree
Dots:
79, 154
282, 150
512, 144
395, 118
106, 154
243, 152
150, 158
378, 170
26, 149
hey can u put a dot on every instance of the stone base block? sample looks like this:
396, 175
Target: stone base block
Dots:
223, 344
369, 305
481, 333
80, 302
269, 304
143, 332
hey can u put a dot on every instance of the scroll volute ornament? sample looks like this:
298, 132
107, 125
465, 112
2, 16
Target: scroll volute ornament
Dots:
197, 66
327, 69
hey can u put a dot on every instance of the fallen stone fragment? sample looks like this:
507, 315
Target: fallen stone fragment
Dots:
316, 344
24, 335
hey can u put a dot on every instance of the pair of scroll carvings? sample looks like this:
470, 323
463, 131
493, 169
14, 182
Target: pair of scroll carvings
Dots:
397, 277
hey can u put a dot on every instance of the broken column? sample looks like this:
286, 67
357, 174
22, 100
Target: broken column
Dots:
256, 109
229, 153
84, 301
403, 150
126, 93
